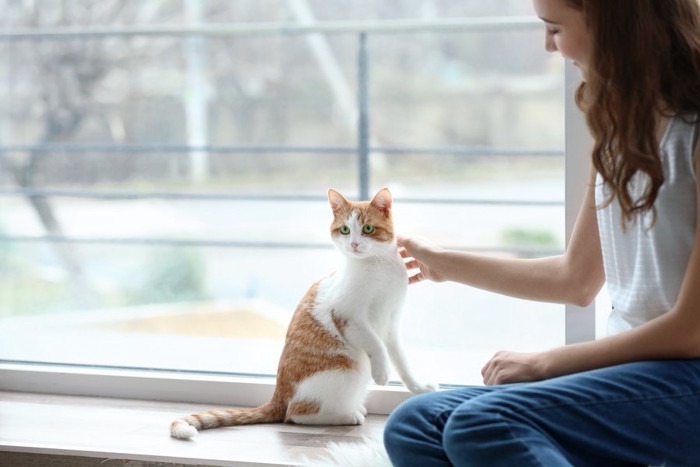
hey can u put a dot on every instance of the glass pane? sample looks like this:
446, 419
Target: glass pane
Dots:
163, 196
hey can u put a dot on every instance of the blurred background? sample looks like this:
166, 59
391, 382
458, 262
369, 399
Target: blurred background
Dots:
164, 167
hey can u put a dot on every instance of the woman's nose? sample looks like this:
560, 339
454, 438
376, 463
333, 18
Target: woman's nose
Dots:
549, 44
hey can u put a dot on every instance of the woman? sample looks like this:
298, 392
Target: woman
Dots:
633, 397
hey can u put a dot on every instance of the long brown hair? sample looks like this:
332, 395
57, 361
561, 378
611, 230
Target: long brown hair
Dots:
645, 63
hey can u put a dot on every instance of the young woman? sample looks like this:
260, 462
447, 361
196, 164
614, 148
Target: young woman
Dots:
633, 397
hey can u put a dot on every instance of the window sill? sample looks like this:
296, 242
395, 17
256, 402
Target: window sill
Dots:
135, 430
164, 386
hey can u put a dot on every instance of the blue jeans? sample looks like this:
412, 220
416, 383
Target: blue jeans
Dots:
645, 413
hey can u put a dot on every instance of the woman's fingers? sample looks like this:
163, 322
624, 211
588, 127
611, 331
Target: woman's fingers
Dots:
412, 265
410, 262
418, 277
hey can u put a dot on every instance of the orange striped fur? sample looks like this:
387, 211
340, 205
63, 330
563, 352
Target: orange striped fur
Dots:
343, 331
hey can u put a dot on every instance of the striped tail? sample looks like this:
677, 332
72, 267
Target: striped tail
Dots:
187, 427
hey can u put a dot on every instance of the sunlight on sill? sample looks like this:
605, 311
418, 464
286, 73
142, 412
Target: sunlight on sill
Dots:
138, 430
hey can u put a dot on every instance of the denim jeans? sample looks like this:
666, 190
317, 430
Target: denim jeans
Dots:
645, 413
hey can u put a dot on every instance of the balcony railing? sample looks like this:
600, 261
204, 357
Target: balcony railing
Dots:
363, 150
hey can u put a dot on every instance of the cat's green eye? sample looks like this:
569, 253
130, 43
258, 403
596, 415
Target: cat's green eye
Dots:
345, 230
368, 229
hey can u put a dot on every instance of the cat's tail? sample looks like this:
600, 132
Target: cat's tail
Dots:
187, 427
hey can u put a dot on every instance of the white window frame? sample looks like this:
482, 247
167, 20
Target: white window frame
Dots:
579, 322
253, 391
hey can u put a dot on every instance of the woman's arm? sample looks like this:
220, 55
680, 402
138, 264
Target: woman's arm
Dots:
574, 277
675, 334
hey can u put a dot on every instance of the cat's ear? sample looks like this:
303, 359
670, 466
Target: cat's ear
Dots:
382, 201
337, 201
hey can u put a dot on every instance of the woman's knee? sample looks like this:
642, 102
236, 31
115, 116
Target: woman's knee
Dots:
488, 432
404, 421
471, 432
415, 427
413, 433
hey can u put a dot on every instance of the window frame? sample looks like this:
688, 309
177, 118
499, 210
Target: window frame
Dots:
254, 390
579, 322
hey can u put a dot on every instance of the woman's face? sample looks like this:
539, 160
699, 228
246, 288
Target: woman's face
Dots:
565, 32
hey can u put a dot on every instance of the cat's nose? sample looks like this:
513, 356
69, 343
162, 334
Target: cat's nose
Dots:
354, 245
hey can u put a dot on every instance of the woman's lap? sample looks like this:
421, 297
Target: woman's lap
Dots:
633, 414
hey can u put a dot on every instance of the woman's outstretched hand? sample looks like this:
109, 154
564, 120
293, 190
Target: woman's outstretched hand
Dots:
425, 261
420, 259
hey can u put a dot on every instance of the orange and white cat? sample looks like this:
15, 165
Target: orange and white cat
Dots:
343, 332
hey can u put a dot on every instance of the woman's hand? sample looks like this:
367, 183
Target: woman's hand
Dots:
513, 367
419, 256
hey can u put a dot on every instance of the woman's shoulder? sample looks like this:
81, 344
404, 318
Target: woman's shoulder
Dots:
679, 145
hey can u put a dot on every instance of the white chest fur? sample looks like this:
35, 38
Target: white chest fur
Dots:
369, 289
367, 296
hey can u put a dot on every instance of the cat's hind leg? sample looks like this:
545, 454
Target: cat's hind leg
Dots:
298, 412
332, 397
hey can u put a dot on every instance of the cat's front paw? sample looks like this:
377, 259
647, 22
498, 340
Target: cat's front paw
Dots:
419, 388
380, 374
359, 417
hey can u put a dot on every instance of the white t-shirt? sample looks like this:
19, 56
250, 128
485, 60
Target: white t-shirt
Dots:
644, 267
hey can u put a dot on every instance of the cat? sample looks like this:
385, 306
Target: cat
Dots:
344, 331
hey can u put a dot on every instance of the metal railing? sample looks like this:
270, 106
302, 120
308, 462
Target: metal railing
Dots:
500, 23
363, 149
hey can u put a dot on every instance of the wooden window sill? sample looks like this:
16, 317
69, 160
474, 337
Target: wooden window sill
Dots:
105, 430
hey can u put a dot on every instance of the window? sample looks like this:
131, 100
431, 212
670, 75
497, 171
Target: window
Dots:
165, 165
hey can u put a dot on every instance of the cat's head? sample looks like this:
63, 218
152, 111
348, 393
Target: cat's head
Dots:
361, 229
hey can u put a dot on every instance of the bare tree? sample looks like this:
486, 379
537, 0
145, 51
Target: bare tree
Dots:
68, 72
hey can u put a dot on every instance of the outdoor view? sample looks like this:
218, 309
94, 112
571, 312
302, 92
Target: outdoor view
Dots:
164, 166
